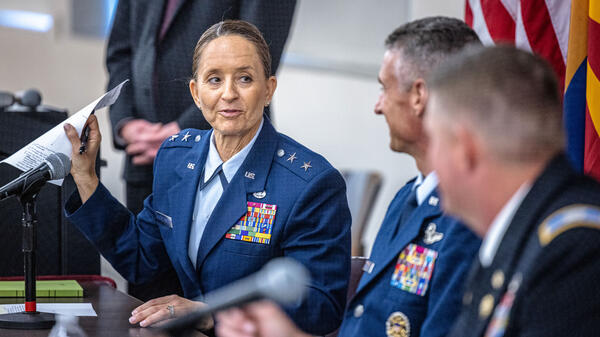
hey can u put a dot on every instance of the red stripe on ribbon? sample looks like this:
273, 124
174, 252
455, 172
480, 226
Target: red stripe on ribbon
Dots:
542, 37
499, 22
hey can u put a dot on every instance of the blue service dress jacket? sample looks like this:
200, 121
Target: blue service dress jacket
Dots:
543, 280
311, 222
412, 283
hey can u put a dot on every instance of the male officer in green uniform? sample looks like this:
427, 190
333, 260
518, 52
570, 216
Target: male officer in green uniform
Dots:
495, 120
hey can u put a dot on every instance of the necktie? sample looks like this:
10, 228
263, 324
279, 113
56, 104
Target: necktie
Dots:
167, 17
220, 173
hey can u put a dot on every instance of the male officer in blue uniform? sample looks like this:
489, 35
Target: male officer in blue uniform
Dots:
412, 283
495, 121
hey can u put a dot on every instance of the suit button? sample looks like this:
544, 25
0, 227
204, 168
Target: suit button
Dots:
358, 310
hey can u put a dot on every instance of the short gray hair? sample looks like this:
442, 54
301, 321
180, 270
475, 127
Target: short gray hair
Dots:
424, 43
510, 96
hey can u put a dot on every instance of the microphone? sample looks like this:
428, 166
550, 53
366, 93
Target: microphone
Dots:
55, 166
282, 280
30, 98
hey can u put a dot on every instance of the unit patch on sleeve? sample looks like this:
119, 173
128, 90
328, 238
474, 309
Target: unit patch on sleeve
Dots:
414, 269
569, 217
255, 225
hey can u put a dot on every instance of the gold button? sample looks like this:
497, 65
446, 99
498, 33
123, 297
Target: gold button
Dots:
486, 305
497, 279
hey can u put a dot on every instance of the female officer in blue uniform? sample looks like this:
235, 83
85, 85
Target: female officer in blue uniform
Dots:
226, 200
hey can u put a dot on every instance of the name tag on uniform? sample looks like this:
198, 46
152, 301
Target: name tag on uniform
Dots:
414, 269
256, 225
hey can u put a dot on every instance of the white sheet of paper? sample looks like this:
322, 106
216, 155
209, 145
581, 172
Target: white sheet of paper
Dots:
55, 140
71, 309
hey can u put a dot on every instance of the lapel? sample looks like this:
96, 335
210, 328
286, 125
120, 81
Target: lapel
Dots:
182, 197
233, 203
152, 20
523, 224
386, 250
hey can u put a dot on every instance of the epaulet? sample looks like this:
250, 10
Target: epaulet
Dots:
185, 138
573, 216
301, 161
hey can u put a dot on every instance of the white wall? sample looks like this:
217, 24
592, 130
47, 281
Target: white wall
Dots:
329, 110
332, 111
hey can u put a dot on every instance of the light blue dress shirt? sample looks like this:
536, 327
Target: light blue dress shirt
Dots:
425, 186
208, 197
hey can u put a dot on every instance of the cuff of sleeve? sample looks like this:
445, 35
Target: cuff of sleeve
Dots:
117, 132
74, 205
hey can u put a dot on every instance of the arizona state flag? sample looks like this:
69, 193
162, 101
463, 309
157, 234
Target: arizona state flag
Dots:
582, 88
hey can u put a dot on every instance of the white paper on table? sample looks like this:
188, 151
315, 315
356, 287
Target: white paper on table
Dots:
71, 309
55, 140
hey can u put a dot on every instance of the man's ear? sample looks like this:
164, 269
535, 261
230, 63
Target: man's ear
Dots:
419, 96
469, 148
194, 92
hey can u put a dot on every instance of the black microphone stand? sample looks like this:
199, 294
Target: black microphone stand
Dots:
30, 318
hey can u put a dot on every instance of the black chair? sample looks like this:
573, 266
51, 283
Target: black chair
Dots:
362, 188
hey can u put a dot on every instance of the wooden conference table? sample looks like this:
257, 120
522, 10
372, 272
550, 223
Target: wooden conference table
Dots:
112, 306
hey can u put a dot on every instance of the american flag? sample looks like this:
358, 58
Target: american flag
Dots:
567, 34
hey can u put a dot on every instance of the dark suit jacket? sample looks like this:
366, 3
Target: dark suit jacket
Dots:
431, 313
544, 278
160, 69
311, 224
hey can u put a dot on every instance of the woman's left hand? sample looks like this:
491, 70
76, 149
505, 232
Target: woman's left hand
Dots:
164, 308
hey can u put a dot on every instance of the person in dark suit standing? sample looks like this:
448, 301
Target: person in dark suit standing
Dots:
412, 282
151, 43
495, 120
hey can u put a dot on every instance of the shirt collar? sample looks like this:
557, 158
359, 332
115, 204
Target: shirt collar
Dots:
498, 228
231, 166
425, 186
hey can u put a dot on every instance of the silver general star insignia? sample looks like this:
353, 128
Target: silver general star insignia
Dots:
292, 157
306, 166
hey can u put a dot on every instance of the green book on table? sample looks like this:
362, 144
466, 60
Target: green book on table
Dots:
57, 288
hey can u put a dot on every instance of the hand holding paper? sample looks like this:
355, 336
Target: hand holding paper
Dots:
55, 141
83, 165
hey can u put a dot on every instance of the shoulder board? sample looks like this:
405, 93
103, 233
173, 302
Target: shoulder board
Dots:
573, 216
185, 138
300, 160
